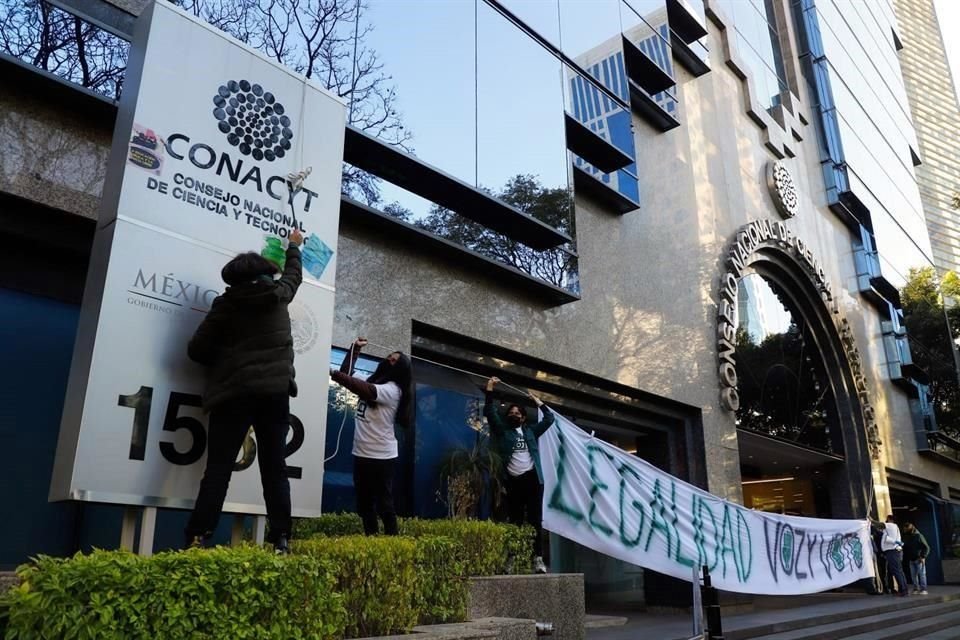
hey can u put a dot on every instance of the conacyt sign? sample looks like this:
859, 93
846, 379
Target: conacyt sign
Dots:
750, 239
207, 133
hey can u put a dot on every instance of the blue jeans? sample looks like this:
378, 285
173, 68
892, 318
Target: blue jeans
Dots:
918, 570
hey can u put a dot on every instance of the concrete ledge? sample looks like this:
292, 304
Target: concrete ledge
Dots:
556, 598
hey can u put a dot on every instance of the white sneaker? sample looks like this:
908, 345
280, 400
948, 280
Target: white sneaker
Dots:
924, 592
538, 566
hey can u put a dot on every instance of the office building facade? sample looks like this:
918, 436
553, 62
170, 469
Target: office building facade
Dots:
692, 226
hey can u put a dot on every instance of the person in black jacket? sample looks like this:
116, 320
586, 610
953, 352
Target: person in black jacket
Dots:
915, 551
247, 346
516, 442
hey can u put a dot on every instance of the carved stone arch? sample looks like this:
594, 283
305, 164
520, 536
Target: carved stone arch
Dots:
784, 260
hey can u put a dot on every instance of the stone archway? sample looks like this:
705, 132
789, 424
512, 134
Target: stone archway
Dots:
768, 248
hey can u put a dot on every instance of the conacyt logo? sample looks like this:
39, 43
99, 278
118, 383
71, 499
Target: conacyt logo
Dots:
252, 120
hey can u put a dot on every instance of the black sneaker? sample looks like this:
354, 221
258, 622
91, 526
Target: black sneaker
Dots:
282, 546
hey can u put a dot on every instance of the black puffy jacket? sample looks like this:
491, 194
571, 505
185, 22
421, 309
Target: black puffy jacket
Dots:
245, 340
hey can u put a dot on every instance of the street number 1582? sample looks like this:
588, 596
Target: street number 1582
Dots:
141, 402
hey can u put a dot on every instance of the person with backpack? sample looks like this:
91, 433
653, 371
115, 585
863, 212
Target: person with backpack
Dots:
386, 398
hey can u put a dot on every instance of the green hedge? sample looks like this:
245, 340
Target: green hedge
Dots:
223, 593
377, 577
441, 594
328, 524
483, 545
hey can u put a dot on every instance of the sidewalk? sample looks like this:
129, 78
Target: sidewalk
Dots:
652, 626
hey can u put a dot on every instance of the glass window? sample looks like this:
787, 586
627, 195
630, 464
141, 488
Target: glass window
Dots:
784, 389
590, 31
758, 42
521, 135
543, 16
602, 115
51, 39
430, 77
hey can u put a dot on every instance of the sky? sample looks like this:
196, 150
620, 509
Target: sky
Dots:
948, 13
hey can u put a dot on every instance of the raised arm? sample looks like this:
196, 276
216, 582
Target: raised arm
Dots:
350, 360
548, 418
497, 426
364, 390
292, 276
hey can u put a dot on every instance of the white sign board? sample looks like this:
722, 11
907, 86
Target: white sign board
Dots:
608, 500
207, 132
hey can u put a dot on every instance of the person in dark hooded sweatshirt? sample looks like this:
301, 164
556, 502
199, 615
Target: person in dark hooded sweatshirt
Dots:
516, 442
247, 346
386, 398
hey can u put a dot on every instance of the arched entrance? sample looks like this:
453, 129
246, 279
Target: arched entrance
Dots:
798, 394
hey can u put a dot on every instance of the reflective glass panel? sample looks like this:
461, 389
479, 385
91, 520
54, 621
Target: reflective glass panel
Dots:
645, 24
543, 16
784, 390
426, 52
758, 43
59, 42
521, 150
590, 31
602, 115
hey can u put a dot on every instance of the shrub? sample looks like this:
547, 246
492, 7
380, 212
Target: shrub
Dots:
328, 524
224, 593
377, 578
484, 546
441, 594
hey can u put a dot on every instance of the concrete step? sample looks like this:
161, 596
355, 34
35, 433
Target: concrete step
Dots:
949, 633
591, 621
864, 624
923, 628
796, 619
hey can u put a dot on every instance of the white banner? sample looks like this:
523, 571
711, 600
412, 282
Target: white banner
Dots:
608, 500
207, 132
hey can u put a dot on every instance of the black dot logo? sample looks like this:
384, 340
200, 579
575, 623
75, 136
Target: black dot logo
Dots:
252, 120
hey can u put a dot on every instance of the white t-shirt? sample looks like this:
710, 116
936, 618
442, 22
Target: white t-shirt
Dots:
891, 537
520, 460
374, 436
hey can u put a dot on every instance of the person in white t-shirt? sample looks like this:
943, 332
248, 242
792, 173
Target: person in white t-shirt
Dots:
516, 442
386, 398
892, 546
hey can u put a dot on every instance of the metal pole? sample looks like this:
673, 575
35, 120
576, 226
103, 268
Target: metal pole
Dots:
259, 529
148, 525
697, 604
128, 528
712, 605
